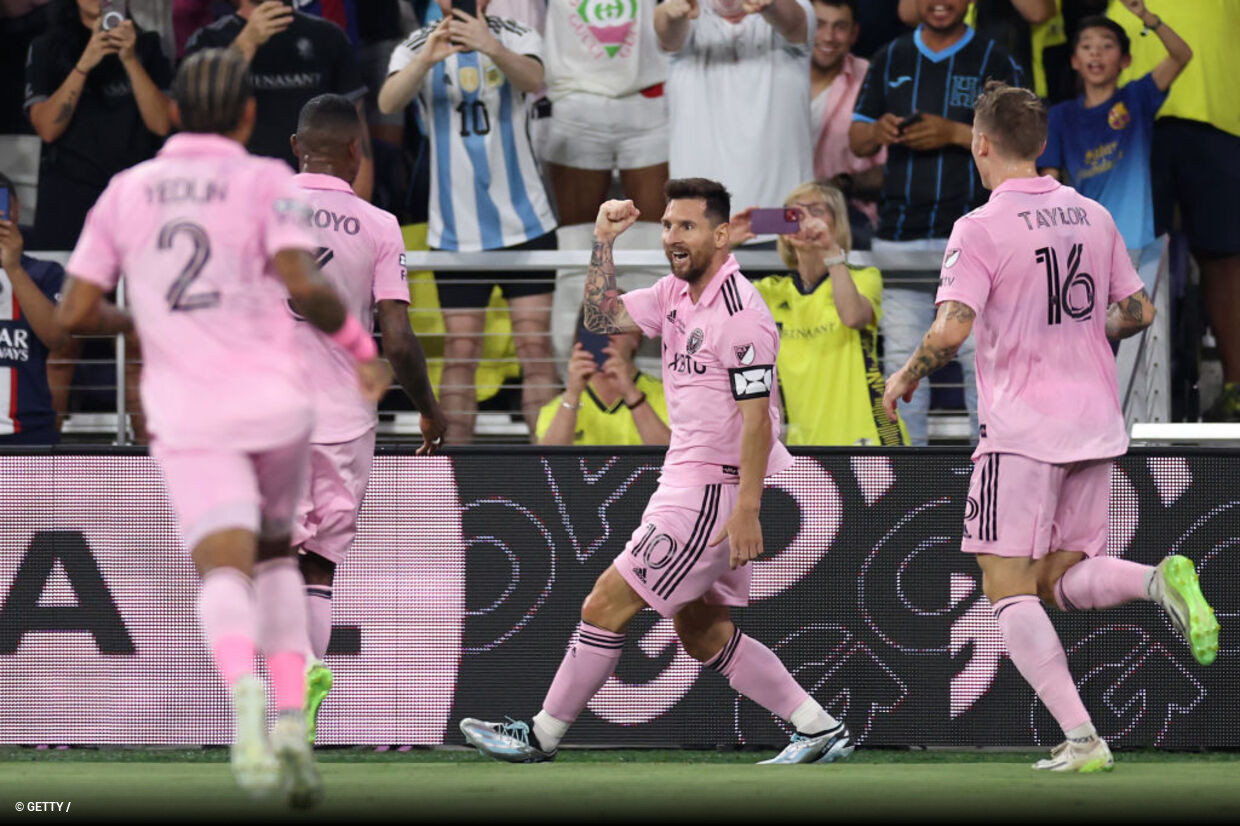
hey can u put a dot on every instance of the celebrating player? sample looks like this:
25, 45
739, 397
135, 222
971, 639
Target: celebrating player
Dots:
1032, 266
361, 253
689, 559
209, 239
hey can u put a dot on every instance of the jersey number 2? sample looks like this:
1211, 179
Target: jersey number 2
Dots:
179, 297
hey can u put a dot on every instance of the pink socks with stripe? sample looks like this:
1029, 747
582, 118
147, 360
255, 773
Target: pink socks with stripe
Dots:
755, 671
591, 658
1102, 582
280, 589
1038, 654
227, 617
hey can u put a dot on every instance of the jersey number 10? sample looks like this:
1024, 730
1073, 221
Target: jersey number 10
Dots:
475, 120
1075, 295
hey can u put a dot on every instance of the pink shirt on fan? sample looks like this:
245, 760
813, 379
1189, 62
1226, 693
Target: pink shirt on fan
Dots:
1039, 264
361, 252
716, 352
194, 230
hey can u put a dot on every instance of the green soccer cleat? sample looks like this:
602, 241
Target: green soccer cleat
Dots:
318, 683
1176, 589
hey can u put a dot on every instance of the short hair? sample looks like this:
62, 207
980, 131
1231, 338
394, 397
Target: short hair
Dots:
1012, 117
211, 90
851, 5
1100, 21
718, 199
329, 113
839, 217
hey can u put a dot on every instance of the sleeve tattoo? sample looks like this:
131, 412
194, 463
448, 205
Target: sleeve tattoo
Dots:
603, 309
930, 356
1125, 318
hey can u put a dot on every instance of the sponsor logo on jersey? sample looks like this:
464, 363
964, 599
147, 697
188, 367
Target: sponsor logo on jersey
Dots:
609, 24
14, 344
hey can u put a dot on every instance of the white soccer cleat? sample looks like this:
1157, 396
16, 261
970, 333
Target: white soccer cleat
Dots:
828, 747
509, 741
1094, 756
254, 765
302, 783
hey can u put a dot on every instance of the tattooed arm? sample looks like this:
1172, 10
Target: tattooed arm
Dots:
1130, 316
603, 309
951, 328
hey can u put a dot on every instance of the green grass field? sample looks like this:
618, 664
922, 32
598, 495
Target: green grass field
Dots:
622, 785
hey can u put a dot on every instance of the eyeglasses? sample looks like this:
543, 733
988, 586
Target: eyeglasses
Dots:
818, 210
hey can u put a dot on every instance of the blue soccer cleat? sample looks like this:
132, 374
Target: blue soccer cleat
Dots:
509, 741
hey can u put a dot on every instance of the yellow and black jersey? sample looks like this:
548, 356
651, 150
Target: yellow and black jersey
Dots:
598, 424
831, 382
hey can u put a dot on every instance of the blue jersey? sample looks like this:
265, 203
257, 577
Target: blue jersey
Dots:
1104, 153
26, 414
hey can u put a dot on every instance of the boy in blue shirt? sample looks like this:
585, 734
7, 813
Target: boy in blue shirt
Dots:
1100, 142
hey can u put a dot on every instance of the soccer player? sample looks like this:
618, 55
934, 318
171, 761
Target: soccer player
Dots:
689, 558
1035, 267
209, 239
361, 253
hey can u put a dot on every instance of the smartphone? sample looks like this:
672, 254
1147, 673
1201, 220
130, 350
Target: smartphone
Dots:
470, 7
594, 344
780, 221
113, 14
4, 203
910, 120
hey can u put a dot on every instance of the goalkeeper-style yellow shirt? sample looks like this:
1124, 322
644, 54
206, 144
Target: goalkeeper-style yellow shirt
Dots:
830, 379
600, 425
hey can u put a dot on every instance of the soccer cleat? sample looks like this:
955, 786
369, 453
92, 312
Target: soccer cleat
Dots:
1094, 756
254, 765
1176, 589
834, 744
301, 777
509, 741
318, 683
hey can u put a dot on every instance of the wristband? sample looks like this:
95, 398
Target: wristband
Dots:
842, 258
637, 403
80, 71
568, 406
353, 338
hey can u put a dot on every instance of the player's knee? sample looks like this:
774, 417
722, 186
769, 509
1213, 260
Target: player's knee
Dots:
698, 643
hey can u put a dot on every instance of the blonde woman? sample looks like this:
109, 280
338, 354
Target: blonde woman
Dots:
831, 380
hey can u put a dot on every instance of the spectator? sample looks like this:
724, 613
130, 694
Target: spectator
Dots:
21, 21
917, 101
469, 76
95, 99
880, 24
35, 352
829, 336
1007, 22
835, 79
738, 93
1196, 163
605, 78
624, 405
1100, 142
293, 57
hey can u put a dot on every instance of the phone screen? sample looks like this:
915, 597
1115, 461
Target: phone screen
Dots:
470, 7
910, 120
779, 221
594, 344
4, 202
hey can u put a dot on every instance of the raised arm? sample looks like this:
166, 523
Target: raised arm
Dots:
1130, 316
785, 16
939, 346
474, 34
603, 308
153, 104
404, 352
401, 86
1179, 53
672, 21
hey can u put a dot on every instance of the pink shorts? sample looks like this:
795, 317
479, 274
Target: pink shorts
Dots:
326, 518
215, 490
1019, 506
669, 561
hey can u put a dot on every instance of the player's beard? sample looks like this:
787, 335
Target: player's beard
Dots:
693, 268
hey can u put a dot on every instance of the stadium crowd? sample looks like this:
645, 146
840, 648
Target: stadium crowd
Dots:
504, 124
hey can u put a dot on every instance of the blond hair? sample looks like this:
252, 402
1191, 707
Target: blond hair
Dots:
839, 215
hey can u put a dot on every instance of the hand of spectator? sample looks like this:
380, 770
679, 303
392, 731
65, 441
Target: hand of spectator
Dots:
97, 48
11, 245
266, 21
739, 227
887, 129
580, 368
682, 9
439, 45
620, 368
472, 33
123, 38
374, 377
614, 217
433, 427
1137, 7
899, 386
814, 235
756, 6
931, 132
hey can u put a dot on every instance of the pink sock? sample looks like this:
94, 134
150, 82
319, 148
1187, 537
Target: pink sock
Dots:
1102, 582
1039, 656
591, 658
754, 670
226, 616
282, 628
319, 611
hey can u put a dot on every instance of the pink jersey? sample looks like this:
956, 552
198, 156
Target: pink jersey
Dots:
716, 352
1039, 264
361, 252
194, 231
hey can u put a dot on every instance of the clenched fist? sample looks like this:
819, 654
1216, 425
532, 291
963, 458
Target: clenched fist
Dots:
614, 217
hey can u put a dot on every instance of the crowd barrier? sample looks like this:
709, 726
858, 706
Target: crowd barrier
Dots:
469, 571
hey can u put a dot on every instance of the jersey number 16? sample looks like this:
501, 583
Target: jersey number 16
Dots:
1074, 295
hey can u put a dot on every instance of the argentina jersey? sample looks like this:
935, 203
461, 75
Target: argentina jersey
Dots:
486, 189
